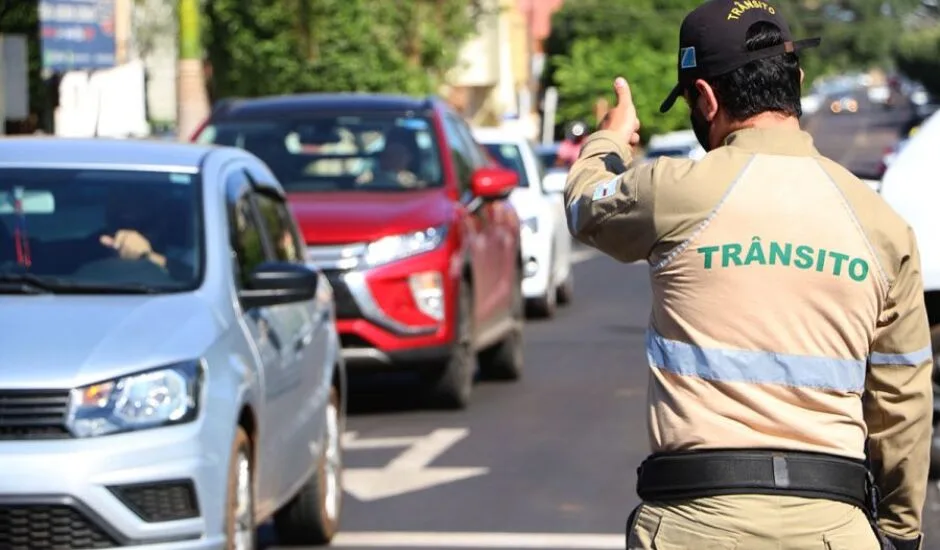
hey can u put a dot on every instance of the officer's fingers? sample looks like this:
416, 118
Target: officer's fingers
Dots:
106, 240
624, 96
635, 139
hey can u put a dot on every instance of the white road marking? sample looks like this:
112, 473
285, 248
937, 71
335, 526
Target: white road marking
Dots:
351, 442
409, 471
547, 541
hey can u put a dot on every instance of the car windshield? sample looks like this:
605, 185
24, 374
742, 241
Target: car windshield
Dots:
374, 152
509, 156
99, 231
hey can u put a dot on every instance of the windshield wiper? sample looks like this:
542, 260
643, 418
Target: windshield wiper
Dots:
29, 283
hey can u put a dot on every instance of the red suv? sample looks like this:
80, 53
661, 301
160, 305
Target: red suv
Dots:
408, 217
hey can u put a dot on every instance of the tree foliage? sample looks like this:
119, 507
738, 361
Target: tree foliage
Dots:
918, 55
292, 46
593, 41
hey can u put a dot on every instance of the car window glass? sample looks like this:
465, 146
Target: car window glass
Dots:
246, 240
460, 154
102, 227
477, 156
279, 228
509, 156
377, 151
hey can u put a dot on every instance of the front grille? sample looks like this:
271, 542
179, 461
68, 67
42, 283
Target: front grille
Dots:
163, 501
346, 307
33, 414
49, 527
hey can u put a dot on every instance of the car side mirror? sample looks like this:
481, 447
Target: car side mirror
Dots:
493, 183
554, 181
275, 283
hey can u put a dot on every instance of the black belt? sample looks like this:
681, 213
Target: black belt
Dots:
687, 475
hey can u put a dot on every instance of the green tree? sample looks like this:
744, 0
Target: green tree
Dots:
293, 46
918, 56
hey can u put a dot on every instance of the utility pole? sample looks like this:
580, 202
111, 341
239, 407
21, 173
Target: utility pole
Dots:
192, 100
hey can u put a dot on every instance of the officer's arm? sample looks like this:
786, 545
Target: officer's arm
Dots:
898, 402
609, 200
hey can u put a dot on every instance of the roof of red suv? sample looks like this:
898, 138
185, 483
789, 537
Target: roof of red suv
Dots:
329, 102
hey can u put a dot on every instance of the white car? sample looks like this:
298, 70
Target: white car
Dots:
546, 243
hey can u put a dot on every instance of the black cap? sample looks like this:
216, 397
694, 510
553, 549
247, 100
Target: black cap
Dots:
713, 36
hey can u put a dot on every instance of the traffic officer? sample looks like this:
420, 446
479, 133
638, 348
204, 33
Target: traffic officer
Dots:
788, 344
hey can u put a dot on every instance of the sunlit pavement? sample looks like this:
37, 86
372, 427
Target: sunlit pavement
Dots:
548, 462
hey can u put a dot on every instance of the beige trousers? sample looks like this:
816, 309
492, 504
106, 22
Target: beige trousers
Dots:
751, 522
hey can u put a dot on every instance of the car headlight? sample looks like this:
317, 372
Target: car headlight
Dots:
155, 398
398, 247
529, 225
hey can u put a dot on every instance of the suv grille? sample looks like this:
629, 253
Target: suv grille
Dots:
33, 414
49, 527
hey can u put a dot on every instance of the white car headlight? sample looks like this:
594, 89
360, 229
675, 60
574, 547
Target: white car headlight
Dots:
398, 247
159, 397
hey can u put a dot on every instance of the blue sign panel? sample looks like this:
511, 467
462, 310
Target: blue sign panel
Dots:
77, 34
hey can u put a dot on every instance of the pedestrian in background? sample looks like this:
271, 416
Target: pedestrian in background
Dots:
570, 148
789, 349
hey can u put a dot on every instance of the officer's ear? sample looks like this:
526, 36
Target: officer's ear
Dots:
706, 102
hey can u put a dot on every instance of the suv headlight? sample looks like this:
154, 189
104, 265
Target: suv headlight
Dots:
155, 398
399, 247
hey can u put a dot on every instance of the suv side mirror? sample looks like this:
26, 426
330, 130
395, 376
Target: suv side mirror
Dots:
493, 183
275, 283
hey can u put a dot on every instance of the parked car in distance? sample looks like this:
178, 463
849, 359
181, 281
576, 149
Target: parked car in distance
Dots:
171, 367
410, 220
546, 242
679, 144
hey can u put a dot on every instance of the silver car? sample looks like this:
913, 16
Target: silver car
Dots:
170, 372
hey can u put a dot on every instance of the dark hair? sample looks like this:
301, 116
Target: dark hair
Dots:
771, 84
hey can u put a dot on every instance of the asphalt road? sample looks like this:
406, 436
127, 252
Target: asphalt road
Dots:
548, 462
857, 140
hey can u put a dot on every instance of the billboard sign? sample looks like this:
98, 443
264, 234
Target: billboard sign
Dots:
77, 34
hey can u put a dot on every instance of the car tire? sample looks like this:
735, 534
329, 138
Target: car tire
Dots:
545, 306
565, 293
453, 383
312, 516
505, 360
240, 528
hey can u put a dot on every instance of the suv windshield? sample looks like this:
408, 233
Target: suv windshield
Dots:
374, 152
99, 231
509, 156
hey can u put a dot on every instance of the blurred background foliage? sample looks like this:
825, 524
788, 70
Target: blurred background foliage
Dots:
407, 46
592, 41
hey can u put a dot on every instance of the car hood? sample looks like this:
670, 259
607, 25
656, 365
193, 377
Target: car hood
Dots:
67, 341
362, 216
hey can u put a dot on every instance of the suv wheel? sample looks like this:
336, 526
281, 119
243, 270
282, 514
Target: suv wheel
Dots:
566, 289
240, 531
454, 381
312, 516
505, 360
